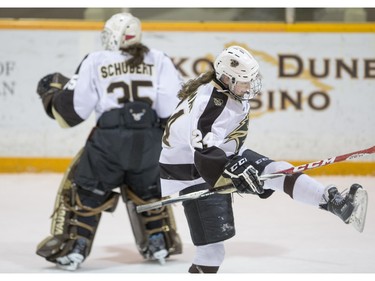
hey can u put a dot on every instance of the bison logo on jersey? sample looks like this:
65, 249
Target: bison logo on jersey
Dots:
239, 134
218, 102
137, 116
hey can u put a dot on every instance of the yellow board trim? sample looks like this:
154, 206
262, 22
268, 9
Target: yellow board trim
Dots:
192, 26
34, 165
59, 165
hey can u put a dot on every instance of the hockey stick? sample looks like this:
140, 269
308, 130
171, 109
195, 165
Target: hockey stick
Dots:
189, 196
230, 188
325, 162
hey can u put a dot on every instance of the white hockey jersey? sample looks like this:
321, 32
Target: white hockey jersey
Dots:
103, 81
205, 129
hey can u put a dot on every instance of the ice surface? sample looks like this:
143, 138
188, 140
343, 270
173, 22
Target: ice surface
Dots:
276, 235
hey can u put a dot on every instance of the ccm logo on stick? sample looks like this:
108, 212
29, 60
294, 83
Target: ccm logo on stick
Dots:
314, 164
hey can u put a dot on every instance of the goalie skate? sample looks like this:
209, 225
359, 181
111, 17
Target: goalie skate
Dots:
157, 248
73, 260
358, 216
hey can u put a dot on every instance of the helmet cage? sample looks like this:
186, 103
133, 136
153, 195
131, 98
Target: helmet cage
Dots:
252, 88
242, 69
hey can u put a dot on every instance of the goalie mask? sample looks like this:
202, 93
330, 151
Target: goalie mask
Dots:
241, 70
121, 31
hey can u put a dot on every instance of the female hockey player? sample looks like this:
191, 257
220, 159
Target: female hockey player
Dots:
132, 90
203, 148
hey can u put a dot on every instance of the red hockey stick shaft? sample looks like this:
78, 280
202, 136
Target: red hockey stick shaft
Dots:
328, 161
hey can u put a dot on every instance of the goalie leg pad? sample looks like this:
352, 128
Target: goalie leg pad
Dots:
210, 218
65, 228
60, 238
153, 223
72, 221
67, 223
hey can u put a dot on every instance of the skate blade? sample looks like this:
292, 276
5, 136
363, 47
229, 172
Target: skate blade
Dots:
68, 264
358, 217
69, 267
160, 256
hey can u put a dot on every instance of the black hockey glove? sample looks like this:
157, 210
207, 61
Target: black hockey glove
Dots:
243, 175
47, 87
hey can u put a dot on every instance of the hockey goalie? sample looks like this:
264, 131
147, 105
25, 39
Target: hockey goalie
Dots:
132, 90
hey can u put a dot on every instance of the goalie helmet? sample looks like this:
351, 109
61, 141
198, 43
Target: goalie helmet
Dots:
242, 69
121, 31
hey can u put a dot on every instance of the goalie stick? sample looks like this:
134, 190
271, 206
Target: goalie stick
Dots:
230, 188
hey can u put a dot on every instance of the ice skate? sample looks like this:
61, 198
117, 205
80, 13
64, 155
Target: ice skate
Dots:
351, 208
73, 260
157, 248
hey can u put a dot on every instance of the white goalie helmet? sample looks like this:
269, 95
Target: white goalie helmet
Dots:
237, 64
121, 31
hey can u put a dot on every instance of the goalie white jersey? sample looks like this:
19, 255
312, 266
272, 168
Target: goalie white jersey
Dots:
104, 81
198, 132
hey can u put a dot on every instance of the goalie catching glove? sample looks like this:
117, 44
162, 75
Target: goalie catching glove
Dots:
50, 83
47, 87
243, 175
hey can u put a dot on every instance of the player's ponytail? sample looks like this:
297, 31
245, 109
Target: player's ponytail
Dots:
137, 51
191, 86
